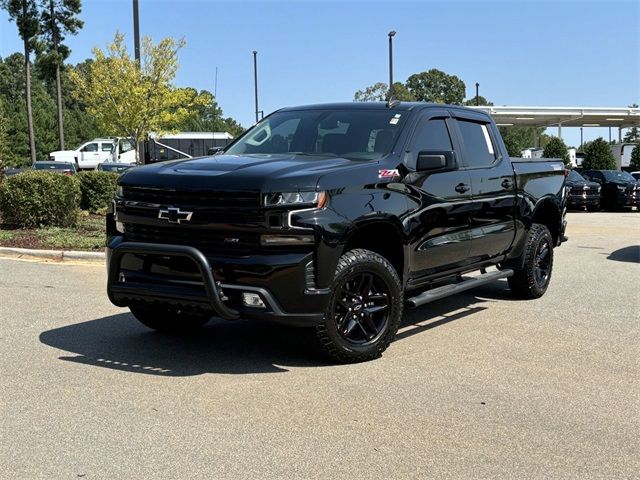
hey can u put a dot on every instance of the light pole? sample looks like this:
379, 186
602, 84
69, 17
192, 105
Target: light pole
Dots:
391, 35
581, 142
477, 94
136, 32
255, 80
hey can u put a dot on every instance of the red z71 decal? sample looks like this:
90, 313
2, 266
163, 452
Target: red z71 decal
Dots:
388, 173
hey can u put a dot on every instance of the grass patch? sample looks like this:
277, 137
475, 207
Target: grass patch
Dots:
88, 235
6, 235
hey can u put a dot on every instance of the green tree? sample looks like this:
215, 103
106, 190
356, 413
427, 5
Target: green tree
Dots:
437, 87
43, 116
556, 148
132, 100
517, 138
633, 134
635, 158
25, 14
379, 92
208, 117
479, 100
598, 156
4, 125
57, 19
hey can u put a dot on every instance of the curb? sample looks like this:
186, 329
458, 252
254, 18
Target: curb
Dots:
54, 255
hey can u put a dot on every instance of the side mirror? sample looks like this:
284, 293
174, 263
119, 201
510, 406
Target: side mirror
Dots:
215, 150
436, 160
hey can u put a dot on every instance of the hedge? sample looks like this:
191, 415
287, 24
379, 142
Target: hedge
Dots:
98, 189
40, 198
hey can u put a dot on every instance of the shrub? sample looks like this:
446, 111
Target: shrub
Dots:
598, 156
37, 198
98, 189
556, 148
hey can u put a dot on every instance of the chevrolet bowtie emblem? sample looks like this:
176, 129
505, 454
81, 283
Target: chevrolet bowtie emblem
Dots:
174, 215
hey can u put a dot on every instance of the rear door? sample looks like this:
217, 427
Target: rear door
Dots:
493, 186
440, 222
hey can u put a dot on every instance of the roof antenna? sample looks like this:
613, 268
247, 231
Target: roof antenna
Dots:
393, 102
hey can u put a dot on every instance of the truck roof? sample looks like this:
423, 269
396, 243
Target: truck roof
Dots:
402, 106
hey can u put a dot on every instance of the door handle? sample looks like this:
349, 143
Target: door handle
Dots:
462, 187
506, 183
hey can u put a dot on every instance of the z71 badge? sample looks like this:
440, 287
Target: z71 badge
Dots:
388, 173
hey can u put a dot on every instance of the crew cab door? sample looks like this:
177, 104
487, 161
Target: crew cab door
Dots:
89, 155
493, 186
440, 219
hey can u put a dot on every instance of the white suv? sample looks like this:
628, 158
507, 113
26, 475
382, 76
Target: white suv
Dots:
90, 154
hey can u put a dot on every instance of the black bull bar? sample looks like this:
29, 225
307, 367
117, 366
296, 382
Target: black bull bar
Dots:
117, 288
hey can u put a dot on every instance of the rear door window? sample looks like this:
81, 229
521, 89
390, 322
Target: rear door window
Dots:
479, 150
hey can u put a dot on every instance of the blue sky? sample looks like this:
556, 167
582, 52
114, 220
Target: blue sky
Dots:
545, 53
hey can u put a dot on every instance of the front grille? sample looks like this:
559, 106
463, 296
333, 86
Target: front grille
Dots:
580, 190
192, 198
208, 241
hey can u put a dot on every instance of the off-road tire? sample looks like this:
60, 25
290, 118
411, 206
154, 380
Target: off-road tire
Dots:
525, 283
352, 263
169, 319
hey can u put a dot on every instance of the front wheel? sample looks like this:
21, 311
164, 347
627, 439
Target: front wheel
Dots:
365, 308
532, 279
169, 319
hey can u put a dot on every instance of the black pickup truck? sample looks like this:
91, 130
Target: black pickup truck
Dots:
334, 217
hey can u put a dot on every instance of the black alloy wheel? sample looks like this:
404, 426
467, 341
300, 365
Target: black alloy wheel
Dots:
361, 308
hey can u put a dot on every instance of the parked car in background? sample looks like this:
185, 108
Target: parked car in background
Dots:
636, 175
90, 154
68, 168
618, 189
9, 172
113, 167
622, 153
582, 193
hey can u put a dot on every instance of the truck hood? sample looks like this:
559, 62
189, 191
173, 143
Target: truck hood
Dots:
64, 152
263, 172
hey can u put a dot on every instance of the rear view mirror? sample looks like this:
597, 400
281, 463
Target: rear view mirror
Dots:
436, 160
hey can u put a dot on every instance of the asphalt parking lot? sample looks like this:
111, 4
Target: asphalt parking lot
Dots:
476, 386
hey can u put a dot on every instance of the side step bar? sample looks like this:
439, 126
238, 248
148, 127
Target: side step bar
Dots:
446, 290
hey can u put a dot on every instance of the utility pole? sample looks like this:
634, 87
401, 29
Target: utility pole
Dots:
255, 81
391, 34
215, 86
581, 142
136, 43
477, 94
136, 31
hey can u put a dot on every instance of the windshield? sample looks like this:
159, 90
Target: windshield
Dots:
353, 134
575, 177
614, 175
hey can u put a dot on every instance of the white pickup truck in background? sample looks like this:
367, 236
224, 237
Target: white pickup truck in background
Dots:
90, 154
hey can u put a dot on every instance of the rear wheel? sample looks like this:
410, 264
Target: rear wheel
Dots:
365, 309
169, 319
532, 280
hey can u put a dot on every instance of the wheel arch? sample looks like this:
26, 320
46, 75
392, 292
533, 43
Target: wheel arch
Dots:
383, 236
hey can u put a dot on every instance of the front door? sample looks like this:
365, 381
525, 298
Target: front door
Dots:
89, 155
439, 224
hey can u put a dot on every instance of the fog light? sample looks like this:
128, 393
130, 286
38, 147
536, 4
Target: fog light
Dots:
252, 300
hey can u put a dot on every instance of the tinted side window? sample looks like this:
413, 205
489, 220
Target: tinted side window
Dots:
432, 135
478, 146
91, 147
107, 147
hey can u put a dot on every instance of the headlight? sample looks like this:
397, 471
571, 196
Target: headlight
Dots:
295, 198
119, 192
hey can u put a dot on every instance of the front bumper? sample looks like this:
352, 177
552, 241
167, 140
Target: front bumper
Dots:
582, 200
182, 276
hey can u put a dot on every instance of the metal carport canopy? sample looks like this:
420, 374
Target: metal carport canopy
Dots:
623, 117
